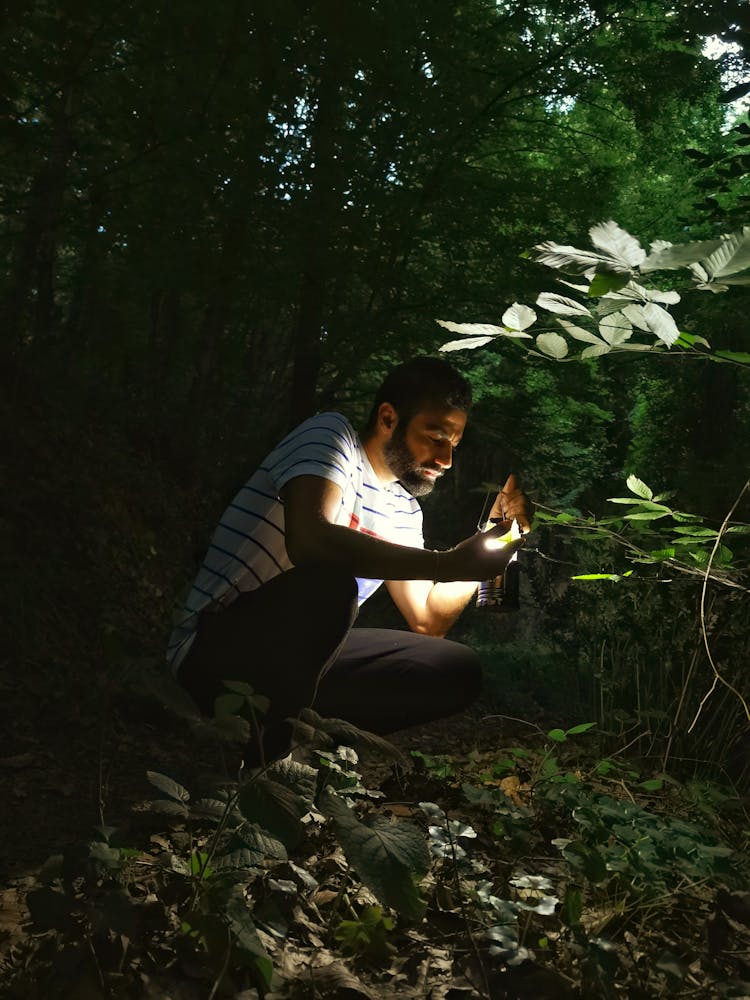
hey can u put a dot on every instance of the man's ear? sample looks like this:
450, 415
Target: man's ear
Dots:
387, 418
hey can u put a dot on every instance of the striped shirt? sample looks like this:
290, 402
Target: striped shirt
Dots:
248, 547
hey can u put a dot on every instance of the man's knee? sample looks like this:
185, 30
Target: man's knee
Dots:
464, 670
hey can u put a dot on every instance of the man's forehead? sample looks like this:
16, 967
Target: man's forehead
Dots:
443, 418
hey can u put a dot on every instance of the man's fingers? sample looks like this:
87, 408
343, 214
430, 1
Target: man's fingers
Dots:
511, 484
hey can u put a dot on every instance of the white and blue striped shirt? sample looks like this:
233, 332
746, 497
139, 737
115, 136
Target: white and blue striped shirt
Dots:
248, 546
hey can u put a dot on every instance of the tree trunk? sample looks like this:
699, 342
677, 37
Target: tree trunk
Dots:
34, 268
322, 211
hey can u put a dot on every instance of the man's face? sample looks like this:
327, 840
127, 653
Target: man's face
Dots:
419, 453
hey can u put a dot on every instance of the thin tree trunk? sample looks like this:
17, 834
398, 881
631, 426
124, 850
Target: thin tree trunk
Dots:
322, 209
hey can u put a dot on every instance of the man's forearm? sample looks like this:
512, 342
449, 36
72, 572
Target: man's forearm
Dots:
445, 602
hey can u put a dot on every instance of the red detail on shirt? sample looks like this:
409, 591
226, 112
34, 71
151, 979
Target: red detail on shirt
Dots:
354, 525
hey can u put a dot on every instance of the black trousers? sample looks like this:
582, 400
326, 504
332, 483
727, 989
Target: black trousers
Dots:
292, 639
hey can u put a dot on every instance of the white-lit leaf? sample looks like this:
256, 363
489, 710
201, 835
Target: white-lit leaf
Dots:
661, 323
666, 256
552, 344
652, 318
615, 329
567, 258
518, 317
637, 486
578, 333
471, 329
464, 345
617, 243
583, 289
731, 257
561, 304
634, 292
596, 351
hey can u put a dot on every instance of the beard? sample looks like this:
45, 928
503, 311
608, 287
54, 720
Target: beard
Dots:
404, 467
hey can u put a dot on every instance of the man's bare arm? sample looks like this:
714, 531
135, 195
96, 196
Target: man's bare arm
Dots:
311, 506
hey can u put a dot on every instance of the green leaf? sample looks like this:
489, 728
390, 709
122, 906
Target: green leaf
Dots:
389, 858
261, 841
668, 553
652, 785
228, 704
587, 860
274, 807
614, 577
300, 778
606, 281
697, 532
572, 907
739, 529
246, 938
739, 356
582, 727
557, 735
173, 789
239, 687
637, 486
647, 515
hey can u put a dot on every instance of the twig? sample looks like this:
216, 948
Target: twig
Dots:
718, 677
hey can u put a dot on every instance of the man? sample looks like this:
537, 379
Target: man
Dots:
325, 519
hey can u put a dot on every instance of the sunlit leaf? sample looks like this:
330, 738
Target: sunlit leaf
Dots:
615, 329
596, 351
646, 515
518, 317
617, 243
578, 333
614, 577
731, 256
561, 304
471, 329
666, 256
696, 532
638, 487
552, 344
567, 258
464, 345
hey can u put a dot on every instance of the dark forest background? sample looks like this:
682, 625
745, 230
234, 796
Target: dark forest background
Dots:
217, 219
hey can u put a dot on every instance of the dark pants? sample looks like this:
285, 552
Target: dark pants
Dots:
292, 640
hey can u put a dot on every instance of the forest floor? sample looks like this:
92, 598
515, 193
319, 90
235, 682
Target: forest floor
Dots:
514, 859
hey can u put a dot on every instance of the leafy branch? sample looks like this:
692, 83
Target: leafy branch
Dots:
618, 307
686, 551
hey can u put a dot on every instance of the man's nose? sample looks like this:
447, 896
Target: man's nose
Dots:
444, 455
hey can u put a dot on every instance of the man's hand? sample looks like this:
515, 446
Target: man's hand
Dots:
512, 503
479, 557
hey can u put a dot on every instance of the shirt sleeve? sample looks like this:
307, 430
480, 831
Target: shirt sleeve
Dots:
322, 446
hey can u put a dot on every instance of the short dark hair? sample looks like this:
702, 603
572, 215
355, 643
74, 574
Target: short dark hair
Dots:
416, 385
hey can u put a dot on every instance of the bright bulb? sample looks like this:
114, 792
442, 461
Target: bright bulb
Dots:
510, 536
